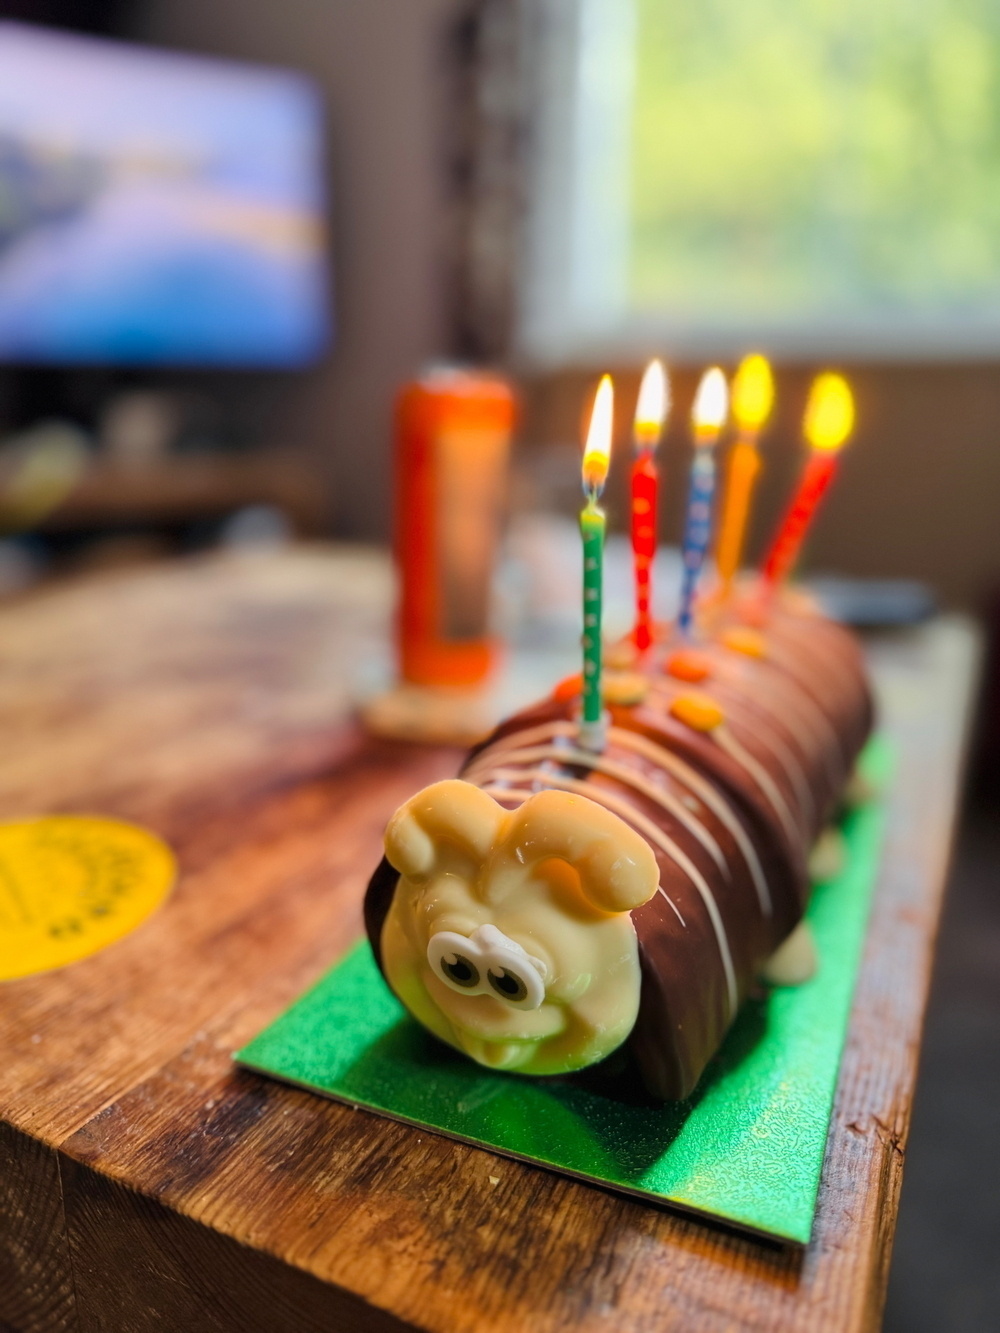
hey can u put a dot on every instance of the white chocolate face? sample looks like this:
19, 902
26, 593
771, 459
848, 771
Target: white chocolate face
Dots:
510, 934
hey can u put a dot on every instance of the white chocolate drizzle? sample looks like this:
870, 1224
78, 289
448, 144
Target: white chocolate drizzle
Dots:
818, 731
649, 830
725, 739
501, 751
667, 899
785, 760
793, 772
518, 795
821, 664
640, 744
629, 777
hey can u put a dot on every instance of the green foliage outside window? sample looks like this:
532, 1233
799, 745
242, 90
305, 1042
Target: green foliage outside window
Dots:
796, 157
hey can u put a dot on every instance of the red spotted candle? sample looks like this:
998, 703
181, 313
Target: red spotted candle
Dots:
828, 422
650, 415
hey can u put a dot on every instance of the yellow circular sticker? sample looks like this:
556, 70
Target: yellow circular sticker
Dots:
70, 885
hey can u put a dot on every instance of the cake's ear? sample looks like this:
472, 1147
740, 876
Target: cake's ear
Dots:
616, 865
444, 818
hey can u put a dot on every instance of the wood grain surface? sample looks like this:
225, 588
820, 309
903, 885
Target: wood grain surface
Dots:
148, 1184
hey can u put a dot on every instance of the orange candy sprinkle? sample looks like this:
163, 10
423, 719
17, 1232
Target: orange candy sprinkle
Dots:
619, 687
625, 688
568, 688
743, 639
688, 664
697, 711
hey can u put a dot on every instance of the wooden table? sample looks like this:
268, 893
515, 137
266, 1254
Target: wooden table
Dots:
145, 1183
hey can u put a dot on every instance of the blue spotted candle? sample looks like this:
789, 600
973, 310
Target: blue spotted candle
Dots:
711, 405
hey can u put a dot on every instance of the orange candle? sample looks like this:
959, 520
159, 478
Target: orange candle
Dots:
453, 431
752, 398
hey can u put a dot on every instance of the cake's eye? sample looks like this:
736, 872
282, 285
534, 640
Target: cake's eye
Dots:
461, 971
508, 985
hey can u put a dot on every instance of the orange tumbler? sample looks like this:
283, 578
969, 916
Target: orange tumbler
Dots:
453, 429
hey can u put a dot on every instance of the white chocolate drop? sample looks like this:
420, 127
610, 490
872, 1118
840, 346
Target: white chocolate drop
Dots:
793, 962
656, 836
829, 854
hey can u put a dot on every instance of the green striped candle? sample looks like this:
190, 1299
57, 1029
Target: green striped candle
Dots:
592, 528
593, 524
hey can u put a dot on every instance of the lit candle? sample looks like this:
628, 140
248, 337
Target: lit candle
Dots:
650, 414
596, 456
828, 421
752, 399
708, 416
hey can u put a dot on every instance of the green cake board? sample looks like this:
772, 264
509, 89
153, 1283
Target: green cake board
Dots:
747, 1148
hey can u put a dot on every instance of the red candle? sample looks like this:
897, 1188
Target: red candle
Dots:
827, 424
816, 477
650, 414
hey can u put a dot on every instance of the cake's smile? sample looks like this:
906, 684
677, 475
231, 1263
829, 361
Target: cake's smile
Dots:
484, 1017
496, 1054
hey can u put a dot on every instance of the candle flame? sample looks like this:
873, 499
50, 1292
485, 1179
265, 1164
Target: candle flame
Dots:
753, 392
597, 451
829, 416
652, 406
711, 405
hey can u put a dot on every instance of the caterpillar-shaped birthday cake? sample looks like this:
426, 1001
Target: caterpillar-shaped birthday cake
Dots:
555, 902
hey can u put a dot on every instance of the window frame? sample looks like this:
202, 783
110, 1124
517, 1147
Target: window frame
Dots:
572, 286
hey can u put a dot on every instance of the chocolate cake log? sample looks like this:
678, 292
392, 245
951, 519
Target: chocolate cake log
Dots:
722, 764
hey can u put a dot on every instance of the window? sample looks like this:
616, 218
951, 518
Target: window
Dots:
819, 177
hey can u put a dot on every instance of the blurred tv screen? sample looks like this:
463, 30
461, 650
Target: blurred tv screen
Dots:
157, 208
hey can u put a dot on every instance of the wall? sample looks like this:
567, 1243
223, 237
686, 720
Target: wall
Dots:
920, 489
379, 63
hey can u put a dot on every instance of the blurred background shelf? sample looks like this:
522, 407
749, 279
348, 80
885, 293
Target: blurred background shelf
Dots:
174, 492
